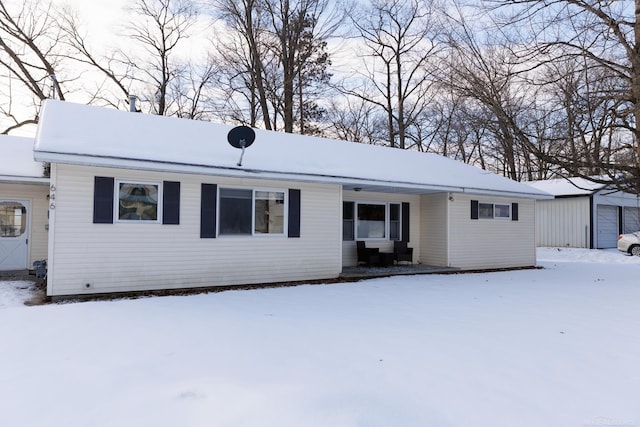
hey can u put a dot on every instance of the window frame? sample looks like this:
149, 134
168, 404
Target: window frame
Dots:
494, 215
116, 202
387, 220
24, 223
254, 191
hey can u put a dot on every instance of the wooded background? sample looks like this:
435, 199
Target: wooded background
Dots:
529, 89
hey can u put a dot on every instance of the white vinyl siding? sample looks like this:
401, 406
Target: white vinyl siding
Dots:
134, 257
349, 255
485, 244
563, 222
433, 239
36, 194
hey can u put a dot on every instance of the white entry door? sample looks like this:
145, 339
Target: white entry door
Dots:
14, 233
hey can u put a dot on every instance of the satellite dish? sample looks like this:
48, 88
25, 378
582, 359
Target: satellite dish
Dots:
241, 137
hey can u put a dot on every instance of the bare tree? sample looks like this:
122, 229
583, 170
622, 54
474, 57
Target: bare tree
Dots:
158, 29
487, 75
356, 120
30, 62
274, 59
400, 39
243, 59
149, 65
111, 85
602, 37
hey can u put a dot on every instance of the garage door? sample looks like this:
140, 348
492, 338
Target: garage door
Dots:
607, 226
631, 220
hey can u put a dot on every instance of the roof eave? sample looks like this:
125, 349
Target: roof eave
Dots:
239, 172
14, 179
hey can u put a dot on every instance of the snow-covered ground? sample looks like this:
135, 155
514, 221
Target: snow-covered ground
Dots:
558, 346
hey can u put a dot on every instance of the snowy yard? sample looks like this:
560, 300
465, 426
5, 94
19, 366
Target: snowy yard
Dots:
558, 346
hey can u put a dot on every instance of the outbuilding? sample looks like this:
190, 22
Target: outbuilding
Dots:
584, 214
146, 202
24, 192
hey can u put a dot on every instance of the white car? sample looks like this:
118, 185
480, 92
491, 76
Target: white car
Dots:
630, 243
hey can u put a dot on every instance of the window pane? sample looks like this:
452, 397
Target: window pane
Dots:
137, 202
347, 210
485, 210
13, 219
347, 229
269, 212
502, 211
371, 221
394, 221
347, 221
235, 211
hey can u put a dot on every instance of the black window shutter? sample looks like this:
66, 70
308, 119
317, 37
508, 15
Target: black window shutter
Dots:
474, 209
103, 200
294, 213
170, 202
405, 221
514, 211
208, 205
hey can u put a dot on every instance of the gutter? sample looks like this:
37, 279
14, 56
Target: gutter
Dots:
228, 171
14, 179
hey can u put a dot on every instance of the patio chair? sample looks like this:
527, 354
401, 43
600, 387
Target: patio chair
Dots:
369, 256
401, 252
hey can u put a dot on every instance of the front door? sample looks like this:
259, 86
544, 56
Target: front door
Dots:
14, 232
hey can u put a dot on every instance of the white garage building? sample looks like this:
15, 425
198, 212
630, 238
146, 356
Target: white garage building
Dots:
584, 214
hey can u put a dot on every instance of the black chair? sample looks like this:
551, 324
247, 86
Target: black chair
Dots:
401, 252
369, 256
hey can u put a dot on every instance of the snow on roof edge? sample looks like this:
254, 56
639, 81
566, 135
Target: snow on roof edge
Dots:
574, 186
98, 135
17, 158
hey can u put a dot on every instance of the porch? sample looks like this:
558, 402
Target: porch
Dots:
369, 272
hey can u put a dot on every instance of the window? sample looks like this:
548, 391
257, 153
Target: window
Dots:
371, 221
374, 221
501, 211
235, 211
394, 221
486, 210
137, 201
247, 212
269, 212
494, 211
348, 220
13, 219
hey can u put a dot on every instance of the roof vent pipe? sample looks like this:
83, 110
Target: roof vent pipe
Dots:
132, 103
54, 85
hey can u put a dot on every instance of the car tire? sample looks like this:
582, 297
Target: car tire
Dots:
635, 250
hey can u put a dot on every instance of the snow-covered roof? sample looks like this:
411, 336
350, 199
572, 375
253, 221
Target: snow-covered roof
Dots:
16, 161
568, 186
80, 134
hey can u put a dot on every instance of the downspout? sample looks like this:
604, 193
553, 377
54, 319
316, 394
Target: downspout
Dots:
591, 239
450, 200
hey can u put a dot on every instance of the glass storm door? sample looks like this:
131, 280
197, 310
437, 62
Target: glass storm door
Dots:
14, 232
